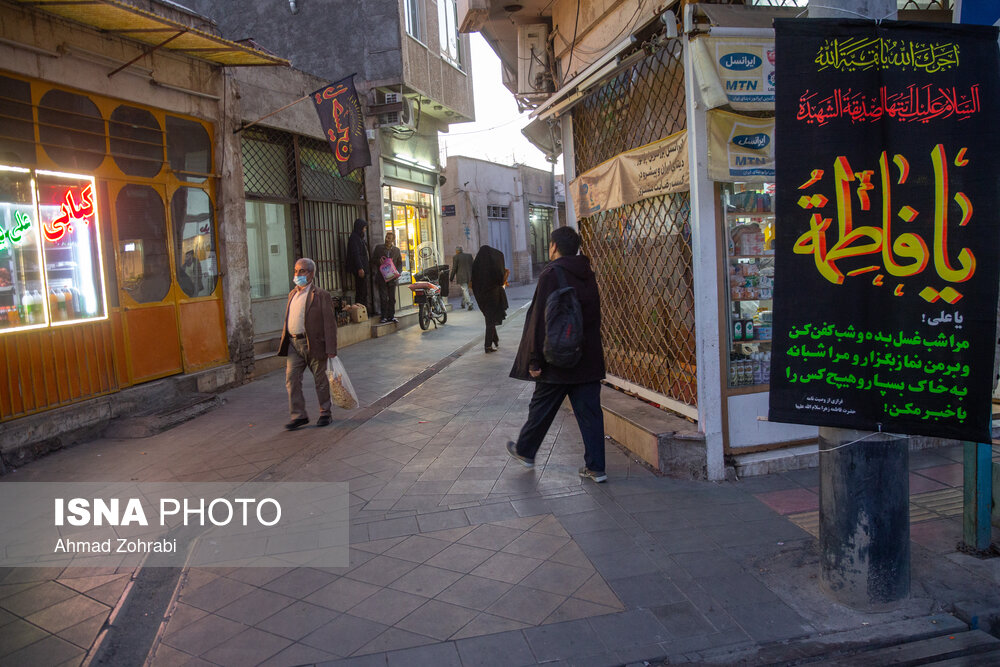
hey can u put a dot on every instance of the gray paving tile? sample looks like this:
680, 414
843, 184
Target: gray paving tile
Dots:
442, 520
344, 635
574, 608
507, 567
297, 620
342, 594
381, 570
536, 545
35, 598
682, 619
67, 613
436, 655
417, 548
490, 536
600, 542
249, 647
204, 635
474, 592
487, 624
298, 654
557, 578
255, 606
426, 581
437, 619
572, 504
646, 590
49, 651
563, 641
527, 605
572, 554
300, 582
379, 530
685, 540
506, 649
394, 639
84, 633
531, 507
386, 606
460, 558
738, 589
492, 512
623, 563
707, 563
378, 546
770, 621
18, 634
628, 628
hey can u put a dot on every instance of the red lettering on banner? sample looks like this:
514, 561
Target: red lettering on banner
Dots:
69, 211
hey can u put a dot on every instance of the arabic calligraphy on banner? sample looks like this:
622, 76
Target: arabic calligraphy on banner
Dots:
886, 251
655, 169
740, 148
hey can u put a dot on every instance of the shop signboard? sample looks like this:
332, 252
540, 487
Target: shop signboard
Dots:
744, 68
886, 247
740, 148
51, 269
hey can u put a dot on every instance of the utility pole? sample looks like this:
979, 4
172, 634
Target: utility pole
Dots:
864, 515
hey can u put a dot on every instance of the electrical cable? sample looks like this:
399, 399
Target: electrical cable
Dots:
576, 24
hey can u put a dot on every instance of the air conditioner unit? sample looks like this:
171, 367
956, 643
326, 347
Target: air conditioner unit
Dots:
392, 98
404, 119
533, 76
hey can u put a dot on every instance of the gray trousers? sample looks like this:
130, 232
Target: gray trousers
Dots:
298, 361
466, 299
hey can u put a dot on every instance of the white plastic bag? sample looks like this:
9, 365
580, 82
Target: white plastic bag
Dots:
341, 391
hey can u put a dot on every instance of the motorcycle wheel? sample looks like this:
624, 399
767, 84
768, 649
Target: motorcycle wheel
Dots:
439, 311
424, 316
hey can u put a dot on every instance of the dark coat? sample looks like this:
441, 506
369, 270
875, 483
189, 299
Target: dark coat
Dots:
579, 275
461, 268
487, 284
378, 256
357, 248
321, 325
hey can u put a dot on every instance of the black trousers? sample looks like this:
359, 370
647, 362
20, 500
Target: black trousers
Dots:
387, 298
491, 335
586, 401
361, 291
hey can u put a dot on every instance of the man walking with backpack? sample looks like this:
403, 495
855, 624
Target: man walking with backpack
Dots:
558, 360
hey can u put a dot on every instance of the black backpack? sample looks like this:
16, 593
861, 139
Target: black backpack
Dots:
563, 345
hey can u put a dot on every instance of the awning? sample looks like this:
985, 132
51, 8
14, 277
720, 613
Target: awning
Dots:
140, 25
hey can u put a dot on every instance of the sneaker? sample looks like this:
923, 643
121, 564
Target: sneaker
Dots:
470, 306
523, 460
593, 474
324, 420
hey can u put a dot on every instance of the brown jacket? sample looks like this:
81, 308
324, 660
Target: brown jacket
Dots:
321, 326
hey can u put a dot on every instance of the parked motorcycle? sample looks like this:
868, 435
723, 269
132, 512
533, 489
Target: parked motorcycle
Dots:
429, 293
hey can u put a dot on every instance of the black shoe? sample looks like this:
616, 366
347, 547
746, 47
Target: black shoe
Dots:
470, 306
488, 350
523, 460
295, 423
324, 420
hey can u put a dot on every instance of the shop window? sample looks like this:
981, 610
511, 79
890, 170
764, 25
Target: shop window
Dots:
189, 149
142, 234
71, 130
17, 133
194, 229
71, 240
136, 141
269, 245
21, 286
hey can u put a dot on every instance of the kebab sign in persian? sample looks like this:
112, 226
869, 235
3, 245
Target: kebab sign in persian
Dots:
887, 241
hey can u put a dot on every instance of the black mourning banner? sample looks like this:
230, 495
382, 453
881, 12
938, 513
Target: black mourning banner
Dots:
886, 242
343, 124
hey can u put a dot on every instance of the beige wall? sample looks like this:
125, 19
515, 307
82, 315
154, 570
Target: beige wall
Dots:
425, 71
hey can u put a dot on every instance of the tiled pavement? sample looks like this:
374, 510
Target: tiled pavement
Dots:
461, 557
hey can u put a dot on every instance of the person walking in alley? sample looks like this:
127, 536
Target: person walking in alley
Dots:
488, 277
461, 273
308, 340
581, 382
387, 288
357, 261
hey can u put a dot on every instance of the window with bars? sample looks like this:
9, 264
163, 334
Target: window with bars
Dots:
641, 253
500, 212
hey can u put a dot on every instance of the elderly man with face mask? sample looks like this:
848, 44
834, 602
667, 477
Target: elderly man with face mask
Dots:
308, 340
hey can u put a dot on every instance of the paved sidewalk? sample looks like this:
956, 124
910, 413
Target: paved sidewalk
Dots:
462, 557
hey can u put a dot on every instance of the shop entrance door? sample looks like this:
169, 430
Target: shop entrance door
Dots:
142, 254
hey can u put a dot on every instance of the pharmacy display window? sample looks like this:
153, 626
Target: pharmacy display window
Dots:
51, 269
749, 239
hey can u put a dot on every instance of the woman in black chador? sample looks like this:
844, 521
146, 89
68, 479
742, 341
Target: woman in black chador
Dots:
488, 277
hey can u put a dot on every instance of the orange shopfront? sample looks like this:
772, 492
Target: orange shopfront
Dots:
109, 272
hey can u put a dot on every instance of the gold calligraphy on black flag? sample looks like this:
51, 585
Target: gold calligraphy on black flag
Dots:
343, 123
886, 242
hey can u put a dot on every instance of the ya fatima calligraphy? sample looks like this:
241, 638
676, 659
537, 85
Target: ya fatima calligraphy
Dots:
915, 104
903, 255
340, 134
54, 230
851, 54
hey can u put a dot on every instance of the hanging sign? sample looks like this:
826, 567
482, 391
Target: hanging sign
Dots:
886, 267
738, 71
655, 169
343, 123
740, 148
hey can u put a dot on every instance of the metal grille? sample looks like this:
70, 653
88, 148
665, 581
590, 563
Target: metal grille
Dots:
268, 164
642, 103
642, 252
900, 4
642, 258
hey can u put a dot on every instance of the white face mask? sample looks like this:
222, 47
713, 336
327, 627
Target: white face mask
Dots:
301, 281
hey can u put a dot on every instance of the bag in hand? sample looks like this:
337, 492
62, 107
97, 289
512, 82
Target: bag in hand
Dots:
388, 269
341, 391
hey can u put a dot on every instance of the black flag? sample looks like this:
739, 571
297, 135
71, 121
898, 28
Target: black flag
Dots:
343, 123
